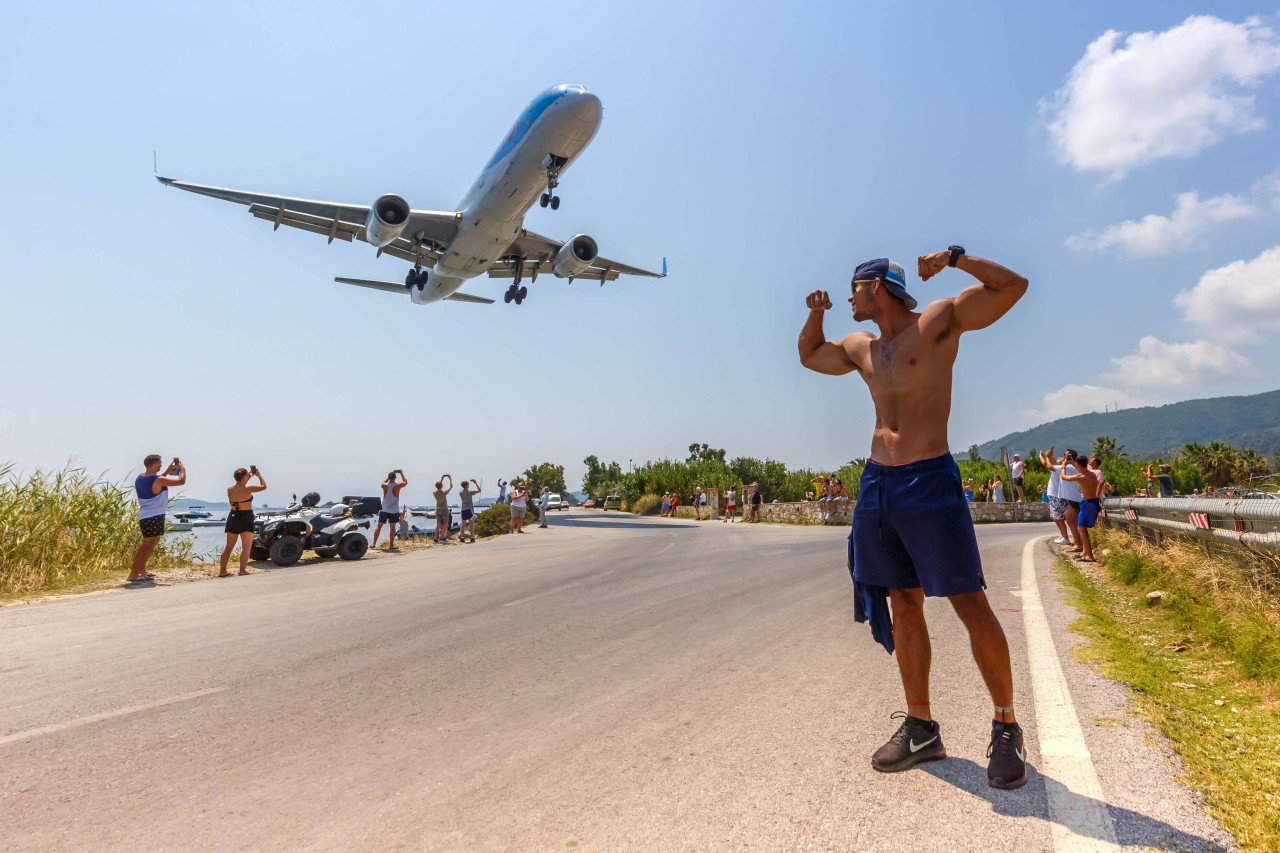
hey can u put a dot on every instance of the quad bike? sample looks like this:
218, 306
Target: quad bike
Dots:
337, 531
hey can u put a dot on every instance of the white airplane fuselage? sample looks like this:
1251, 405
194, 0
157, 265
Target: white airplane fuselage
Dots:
553, 130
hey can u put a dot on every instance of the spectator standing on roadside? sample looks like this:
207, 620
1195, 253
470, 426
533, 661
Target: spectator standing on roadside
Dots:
702, 504
730, 505
1018, 469
404, 524
544, 501
1090, 506
441, 495
997, 490
666, 504
467, 526
519, 505
390, 514
1070, 490
968, 490
1163, 480
675, 504
755, 500
1057, 506
502, 492
152, 491
239, 524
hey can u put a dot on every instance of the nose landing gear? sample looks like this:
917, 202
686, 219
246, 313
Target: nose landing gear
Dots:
553, 165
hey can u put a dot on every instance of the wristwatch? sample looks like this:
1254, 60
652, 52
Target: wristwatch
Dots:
956, 252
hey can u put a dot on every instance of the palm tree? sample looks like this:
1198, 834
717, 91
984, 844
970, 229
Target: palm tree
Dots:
1107, 447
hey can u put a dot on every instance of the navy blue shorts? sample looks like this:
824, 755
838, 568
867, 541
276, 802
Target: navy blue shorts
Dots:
912, 529
388, 518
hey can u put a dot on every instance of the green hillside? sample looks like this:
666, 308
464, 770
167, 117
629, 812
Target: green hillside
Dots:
1151, 431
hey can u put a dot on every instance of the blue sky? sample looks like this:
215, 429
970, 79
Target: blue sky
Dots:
1124, 157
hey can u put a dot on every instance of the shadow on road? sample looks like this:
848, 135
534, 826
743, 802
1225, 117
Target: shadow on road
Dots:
1132, 828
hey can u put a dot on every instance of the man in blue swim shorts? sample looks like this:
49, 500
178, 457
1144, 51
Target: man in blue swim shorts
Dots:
912, 535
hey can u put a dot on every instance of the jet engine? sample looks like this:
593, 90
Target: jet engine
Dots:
575, 256
387, 218
423, 287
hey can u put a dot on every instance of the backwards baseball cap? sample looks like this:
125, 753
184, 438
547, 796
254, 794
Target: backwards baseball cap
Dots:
891, 274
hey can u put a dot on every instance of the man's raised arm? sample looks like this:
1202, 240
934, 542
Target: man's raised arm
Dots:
981, 305
816, 352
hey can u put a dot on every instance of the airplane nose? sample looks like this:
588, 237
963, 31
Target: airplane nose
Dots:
586, 108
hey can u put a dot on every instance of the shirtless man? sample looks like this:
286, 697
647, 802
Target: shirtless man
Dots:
1090, 506
912, 534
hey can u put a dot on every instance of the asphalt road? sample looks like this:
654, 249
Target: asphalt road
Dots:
611, 683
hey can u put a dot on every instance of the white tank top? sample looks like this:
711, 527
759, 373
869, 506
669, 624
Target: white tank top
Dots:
390, 500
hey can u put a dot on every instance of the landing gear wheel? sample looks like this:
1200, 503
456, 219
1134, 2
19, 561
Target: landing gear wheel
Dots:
521, 294
286, 550
506, 297
555, 202
352, 546
545, 200
411, 279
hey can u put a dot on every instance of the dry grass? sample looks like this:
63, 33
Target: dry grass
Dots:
1205, 664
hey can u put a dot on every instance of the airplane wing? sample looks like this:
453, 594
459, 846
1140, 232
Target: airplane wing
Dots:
426, 235
541, 251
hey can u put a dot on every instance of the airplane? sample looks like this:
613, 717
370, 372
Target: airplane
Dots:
486, 234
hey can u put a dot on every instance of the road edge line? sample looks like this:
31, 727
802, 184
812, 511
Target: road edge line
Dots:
1078, 811
106, 715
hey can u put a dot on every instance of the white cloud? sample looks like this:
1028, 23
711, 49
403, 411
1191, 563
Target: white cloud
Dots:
1154, 234
1157, 364
1240, 300
1129, 101
1081, 399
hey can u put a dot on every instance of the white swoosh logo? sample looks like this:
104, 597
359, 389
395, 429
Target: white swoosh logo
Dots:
1019, 754
916, 747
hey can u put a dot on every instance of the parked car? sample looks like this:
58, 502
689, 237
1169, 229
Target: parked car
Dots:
613, 502
589, 503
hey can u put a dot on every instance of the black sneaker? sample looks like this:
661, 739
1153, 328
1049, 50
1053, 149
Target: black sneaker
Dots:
1008, 766
914, 741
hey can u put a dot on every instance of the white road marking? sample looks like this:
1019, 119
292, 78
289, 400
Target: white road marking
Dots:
1077, 807
107, 715
556, 589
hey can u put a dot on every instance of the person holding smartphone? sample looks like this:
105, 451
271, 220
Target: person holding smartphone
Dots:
390, 514
152, 490
239, 524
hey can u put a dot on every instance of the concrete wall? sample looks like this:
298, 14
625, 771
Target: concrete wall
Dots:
807, 513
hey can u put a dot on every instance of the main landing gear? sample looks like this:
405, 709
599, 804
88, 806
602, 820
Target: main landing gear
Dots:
516, 293
417, 277
554, 164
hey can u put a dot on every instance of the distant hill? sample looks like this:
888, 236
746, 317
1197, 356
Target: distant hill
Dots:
1252, 421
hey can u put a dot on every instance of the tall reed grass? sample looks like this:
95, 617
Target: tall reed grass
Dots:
60, 527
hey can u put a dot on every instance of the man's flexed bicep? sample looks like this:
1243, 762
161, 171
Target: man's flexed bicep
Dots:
981, 305
816, 352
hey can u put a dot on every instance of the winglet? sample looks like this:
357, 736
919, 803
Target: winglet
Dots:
155, 170
664, 267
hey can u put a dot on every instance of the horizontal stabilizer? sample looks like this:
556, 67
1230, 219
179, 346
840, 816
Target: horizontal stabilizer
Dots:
388, 286
467, 297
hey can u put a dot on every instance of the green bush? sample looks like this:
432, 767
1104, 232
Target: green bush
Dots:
648, 504
496, 520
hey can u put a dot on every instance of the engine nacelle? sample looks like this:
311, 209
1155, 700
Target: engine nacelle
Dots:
387, 218
575, 256
423, 290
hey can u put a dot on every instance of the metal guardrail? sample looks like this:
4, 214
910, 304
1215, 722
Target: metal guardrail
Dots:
1254, 522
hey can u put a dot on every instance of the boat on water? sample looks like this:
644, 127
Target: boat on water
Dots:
196, 512
176, 524
208, 522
